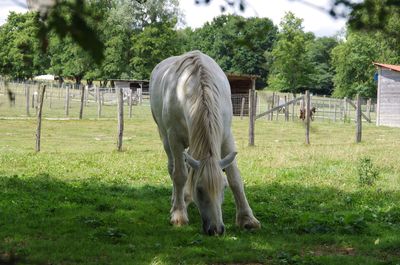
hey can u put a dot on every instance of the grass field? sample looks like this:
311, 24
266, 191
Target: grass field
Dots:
81, 202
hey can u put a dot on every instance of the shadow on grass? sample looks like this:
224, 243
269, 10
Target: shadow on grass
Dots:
47, 221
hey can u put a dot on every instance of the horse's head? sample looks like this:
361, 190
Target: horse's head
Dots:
207, 185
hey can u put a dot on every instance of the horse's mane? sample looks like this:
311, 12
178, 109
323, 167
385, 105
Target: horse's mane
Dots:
205, 120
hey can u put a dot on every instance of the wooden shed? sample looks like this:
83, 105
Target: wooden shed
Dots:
388, 100
133, 84
240, 86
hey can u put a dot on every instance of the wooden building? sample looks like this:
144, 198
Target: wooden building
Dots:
132, 84
388, 100
240, 86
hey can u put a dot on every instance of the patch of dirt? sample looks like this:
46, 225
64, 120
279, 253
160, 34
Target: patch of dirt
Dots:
324, 250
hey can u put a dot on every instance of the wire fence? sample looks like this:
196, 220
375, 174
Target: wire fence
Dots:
101, 103
21, 100
325, 108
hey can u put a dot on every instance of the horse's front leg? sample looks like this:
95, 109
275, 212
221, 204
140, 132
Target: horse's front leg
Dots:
179, 214
244, 214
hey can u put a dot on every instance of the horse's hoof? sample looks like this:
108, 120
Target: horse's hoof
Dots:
179, 218
248, 222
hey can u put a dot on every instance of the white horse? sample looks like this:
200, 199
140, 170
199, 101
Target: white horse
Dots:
191, 104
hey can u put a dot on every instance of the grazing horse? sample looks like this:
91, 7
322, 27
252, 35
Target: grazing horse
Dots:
191, 104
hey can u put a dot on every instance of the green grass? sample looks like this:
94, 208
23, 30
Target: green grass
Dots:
81, 202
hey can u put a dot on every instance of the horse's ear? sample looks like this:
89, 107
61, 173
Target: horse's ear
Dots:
193, 163
227, 160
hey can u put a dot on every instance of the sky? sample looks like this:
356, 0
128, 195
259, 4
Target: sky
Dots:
314, 20
10, 5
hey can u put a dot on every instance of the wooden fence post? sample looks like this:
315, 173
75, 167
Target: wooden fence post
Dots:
86, 94
277, 111
39, 118
308, 104
33, 100
82, 101
37, 98
51, 88
242, 108
358, 120
255, 104
334, 114
271, 117
369, 109
3, 86
98, 94
344, 109
329, 110
139, 92
120, 99
286, 109
293, 106
251, 116
130, 103
27, 100
67, 101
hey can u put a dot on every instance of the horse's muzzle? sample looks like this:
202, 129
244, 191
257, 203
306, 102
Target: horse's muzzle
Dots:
213, 230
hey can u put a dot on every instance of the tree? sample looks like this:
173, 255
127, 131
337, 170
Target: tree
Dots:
352, 61
70, 60
146, 13
117, 42
368, 14
321, 77
156, 42
236, 43
289, 62
20, 54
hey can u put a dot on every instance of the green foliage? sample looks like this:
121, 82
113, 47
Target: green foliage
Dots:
156, 43
75, 19
321, 77
117, 51
289, 62
373, 36
368, 174
85, 39
352, 61
20, 54
376, 16
236, 43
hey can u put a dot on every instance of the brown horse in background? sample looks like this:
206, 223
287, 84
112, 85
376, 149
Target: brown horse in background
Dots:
303, 113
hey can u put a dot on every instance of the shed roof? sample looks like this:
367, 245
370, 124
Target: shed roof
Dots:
389, 66
235, 76
130, 80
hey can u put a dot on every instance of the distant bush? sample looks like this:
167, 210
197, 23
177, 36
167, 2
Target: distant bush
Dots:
367, 172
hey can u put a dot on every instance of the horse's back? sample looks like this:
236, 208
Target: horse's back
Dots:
174, 80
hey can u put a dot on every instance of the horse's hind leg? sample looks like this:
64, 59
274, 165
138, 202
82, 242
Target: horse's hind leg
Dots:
244, 214
179, 176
